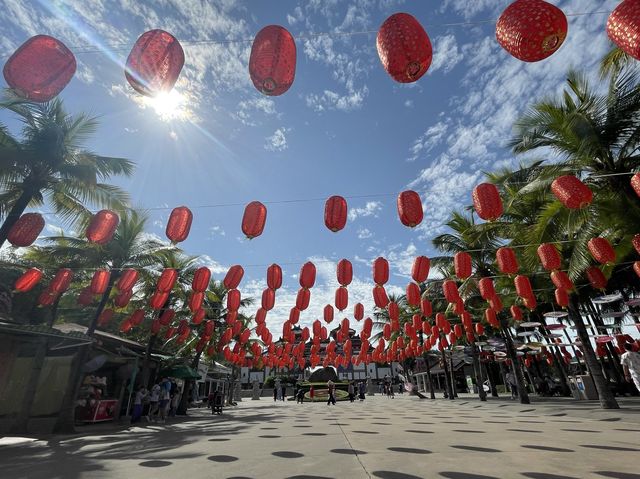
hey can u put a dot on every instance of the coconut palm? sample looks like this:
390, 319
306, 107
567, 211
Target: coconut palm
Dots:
49, 164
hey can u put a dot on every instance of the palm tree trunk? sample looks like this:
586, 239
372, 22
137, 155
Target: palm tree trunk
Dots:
491, 375
146, 363
607, 400
477, 369
14, 215
523, 393
447, 378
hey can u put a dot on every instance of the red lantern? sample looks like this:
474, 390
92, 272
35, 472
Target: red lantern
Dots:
61, 281
105, 317
335, 213
636, 243
196, 300
342, 298
507, 261
516, 313
307, 275
636, 267
394, 311
561, 280
490, 317
328, 313
137, 317
635, 183
127, 280
601, 250
123, 298
425, 307
233, 300
100, 281
523, 286
531, 30
420, 269
254, 218
198, 316
294, 315
380, 297
562, 298
201, 279
450, 290
274, 277
26, 230
413, 294
155, 62
571, 192
233, 277
344, 272
158, 300
179, 224
380, 271
549, 256
358, 311
28, 280
102, 227
596, 277
530, 303
40, 68
487, 202
167, 280
167, 316
272, 64
623, 27
261, 316
462, 265
268, 299
479, 329
47, 298
85, 298
404, 48
487, 290
496, 303
302, 299
410, 208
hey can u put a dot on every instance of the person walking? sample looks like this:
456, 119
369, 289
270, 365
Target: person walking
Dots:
630, 361
154, 400
300, 395
331, 387
136, 413
513, 384
351, 391
283, 393
312, 393
361, 390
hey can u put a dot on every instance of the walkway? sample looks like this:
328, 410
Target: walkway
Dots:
403, 438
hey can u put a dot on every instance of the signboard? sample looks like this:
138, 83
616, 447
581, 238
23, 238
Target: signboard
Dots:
105, 410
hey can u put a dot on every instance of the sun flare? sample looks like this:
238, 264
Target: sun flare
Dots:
169, 106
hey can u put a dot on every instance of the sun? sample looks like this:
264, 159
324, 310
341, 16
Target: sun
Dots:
169, 106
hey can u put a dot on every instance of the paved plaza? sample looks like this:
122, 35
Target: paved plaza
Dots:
401, 438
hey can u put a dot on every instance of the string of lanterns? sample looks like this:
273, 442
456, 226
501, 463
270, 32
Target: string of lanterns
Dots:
529, 30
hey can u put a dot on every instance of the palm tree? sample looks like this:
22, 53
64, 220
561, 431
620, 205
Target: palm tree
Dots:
50, 163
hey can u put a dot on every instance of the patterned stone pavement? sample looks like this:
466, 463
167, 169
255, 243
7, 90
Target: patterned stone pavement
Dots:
403, 438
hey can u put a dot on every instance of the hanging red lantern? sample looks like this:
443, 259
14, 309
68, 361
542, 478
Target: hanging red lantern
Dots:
491, 317
123, 298
307, 275
254, 219
479, 329
102, 227
410, 208
105, 317
394, 311
413, 294
179, 224
196, 300
127, 280
233, 277
561, 280
61, 281
571, 192
154, 63
302, 299
636, 267
167, 280
272, 64
562, 298
274, 277
380, 297
344, 272
167, 316
404, 48
294, 315
342, 298
462, 265
335, 213
425, 307
47, 298
380, 271
516, 313
636, 243
158, 300
85, 298
530, 303
496, 303
137, 317
623, 27
507, 261
26, 230
328, 313
450, 290
40, 68
523, 286
635, 183
268, 299
201, 279
420, 269
233, 300
487, 202
261, 316
100, 281
358, 311
487, 290
28, 280
531, 30
596, 277
549, 256
601, 250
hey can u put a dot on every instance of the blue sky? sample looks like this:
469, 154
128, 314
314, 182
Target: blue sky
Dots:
345, 127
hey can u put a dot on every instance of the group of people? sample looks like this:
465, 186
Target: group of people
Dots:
162, 401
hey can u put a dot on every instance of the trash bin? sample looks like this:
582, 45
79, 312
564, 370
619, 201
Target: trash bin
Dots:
573, 385
586, 387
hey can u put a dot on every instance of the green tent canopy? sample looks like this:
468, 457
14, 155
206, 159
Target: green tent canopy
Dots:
180, 371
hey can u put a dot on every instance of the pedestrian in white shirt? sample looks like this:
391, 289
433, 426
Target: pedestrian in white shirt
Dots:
630, 361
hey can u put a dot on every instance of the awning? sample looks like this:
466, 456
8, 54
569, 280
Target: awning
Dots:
180, 371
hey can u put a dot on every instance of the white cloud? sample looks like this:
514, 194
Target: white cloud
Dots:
364, 233
277, 141
217, 230
215, 267
371, 208
446, 54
